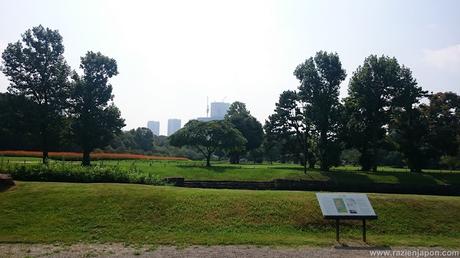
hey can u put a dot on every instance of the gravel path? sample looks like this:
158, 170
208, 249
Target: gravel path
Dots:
119, 250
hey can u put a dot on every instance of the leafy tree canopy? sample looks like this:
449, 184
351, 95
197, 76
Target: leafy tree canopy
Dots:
96, 118
208, 137
37, 70
250, 128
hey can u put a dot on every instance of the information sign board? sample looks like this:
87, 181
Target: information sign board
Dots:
345, 206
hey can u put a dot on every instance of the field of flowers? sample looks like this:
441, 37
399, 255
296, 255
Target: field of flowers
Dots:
78, 156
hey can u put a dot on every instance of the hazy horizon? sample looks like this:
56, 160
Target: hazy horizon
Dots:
172, 55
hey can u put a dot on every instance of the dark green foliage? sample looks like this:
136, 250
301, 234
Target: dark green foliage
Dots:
443, 119
209, 137
37, 71
63, 172
350, 157
143, 138
290, 124
407, 125
95, 118
16, 123
140, 141
370, 92
320, 79
250, 128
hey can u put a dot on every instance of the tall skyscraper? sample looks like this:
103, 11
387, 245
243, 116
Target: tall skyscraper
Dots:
154, 126
218, 111
173, 126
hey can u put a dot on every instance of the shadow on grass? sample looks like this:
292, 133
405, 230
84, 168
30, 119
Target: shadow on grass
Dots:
4, 188
401, 177
217, 169
345, 246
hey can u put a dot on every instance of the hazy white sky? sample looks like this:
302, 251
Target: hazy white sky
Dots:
173, 54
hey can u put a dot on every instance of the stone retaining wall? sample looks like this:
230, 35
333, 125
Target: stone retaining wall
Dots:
304, 185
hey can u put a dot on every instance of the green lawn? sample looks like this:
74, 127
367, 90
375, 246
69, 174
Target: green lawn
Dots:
192, 170
67, 212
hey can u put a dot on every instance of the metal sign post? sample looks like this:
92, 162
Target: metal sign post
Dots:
350, 206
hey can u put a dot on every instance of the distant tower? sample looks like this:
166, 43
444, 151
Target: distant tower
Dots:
207, 106
154, 126
173, 126
218, 111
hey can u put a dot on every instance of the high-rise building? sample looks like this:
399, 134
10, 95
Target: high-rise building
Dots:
154, 126
218, 111
173, 126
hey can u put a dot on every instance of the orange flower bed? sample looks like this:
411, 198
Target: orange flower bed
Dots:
78, 156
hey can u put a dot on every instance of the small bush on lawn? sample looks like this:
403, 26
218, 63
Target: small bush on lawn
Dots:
65, 172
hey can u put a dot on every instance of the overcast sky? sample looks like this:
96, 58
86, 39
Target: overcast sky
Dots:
171, 55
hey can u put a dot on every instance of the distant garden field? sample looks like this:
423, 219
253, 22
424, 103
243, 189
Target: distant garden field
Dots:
150, 171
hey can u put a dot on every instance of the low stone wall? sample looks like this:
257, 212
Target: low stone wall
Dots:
305, 185
251, 185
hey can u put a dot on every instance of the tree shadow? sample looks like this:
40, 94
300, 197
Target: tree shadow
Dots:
217, 169
4, 188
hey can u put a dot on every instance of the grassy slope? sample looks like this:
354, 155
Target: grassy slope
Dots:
65, 212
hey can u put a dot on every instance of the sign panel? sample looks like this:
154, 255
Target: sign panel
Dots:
345, 206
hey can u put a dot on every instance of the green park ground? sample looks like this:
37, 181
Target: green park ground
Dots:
62, 212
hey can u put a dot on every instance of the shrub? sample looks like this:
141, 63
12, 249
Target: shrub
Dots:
67, 172
94, 156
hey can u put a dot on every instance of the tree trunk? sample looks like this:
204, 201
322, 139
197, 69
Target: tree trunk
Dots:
208, 160
45, 157
235, 158
44, 133
415, 169
86, 158
367, 160
311, 160
304, 161
324, 162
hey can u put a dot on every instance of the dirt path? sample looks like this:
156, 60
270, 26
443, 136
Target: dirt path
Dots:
119, 250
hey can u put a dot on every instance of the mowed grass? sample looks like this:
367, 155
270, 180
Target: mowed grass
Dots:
191, 170
195, 170
40, 212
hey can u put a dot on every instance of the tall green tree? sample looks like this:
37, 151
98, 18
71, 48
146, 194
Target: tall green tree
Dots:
289, 121
95, 118
320, 79
368, 100
408, 127
209, 137
143, 138
250, 128
443, 116
37, 70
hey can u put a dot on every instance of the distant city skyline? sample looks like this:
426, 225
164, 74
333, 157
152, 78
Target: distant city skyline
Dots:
173, 55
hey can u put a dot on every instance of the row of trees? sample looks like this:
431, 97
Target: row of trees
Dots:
382, 108
142, 141
48, 101
49, 106
383, 113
